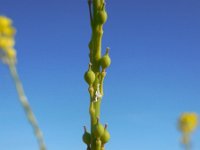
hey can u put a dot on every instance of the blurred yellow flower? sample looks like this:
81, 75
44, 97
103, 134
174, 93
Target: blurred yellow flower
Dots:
4, 21
188, 122
6, 42
11, 53
7, 32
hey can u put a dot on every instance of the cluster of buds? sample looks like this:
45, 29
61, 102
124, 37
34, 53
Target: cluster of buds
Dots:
94, 77
7, 42
100, 136
187, 124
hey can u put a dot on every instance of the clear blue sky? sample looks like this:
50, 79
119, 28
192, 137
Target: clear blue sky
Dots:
154, 76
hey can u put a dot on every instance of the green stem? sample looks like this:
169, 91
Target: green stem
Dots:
95, 56
103, 74
187, 147
95, 47
24, 102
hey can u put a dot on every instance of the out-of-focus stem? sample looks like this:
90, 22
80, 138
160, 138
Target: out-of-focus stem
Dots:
24, 102
188, 146
186, 141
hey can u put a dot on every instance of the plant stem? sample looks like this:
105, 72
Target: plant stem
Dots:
95, 58
24, 102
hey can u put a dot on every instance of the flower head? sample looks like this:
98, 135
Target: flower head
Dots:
7, 42
188, 122
4, 21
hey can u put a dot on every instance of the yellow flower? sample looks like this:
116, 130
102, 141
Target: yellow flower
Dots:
11, 53
6, 42
188, 122
7, 31
4, 21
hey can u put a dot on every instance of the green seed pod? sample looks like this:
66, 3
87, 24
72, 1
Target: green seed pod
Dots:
105, 60
102, 17
98, 144
89, 76
106, 135
86, 137
98, 129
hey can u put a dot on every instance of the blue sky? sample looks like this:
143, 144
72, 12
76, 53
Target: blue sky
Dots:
154, 76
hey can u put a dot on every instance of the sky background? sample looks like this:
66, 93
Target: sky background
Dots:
153, 78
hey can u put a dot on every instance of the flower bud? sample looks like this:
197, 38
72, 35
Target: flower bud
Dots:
102, 17
98, 129
86, 137
106, 136
105, 60
89, 76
